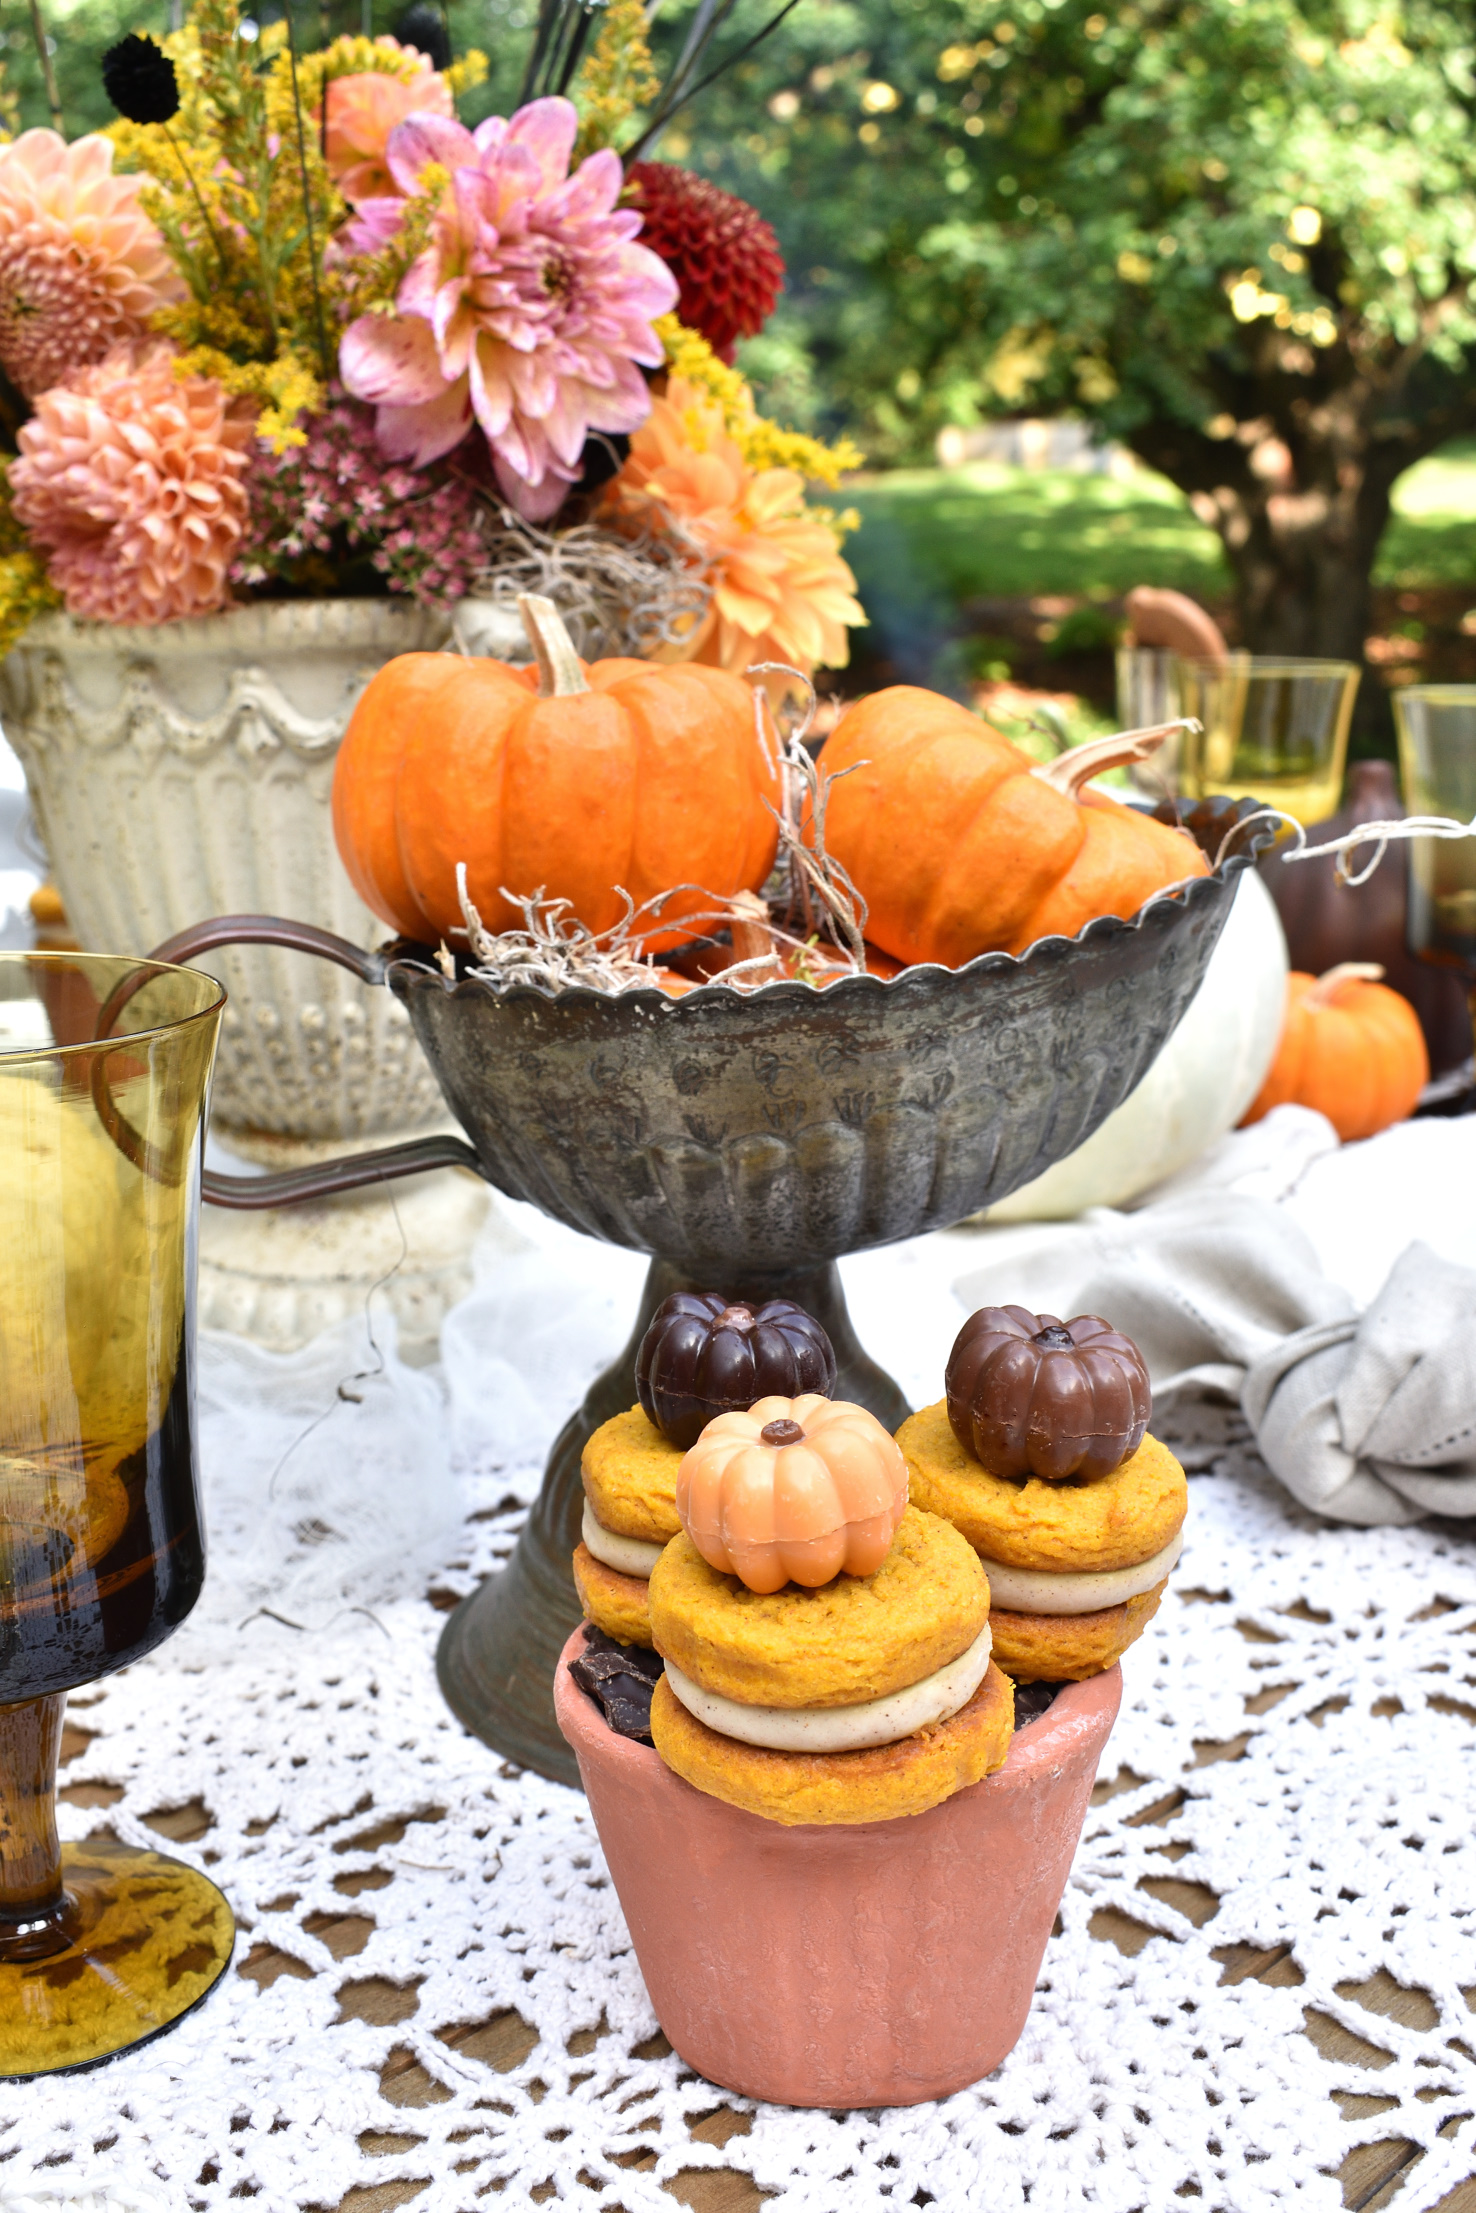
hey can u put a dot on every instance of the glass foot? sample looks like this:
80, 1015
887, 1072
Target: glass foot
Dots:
142, 1939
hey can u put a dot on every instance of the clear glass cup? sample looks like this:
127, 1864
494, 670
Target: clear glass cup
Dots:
1273, 730
104, 1073
1437, 762
1148, 692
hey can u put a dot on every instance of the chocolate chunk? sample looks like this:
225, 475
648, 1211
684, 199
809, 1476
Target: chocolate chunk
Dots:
620, 1679
1032, 1700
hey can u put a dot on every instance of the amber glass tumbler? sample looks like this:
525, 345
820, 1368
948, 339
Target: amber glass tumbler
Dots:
104, 1075
1274, 729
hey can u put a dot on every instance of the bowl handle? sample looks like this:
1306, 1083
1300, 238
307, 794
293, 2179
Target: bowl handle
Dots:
353, 1170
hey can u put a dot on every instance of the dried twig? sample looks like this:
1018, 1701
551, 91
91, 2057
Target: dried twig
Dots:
818, 901
617, 594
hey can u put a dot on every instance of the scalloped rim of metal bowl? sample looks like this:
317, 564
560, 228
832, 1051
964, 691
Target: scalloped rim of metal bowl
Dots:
1046, 951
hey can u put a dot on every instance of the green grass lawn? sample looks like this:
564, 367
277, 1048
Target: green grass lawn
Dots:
1431, 538
932, 538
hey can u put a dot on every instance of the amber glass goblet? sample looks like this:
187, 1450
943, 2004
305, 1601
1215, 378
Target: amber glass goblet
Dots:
104, 1072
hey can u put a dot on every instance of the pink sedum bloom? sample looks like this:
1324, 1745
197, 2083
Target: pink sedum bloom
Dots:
529, 311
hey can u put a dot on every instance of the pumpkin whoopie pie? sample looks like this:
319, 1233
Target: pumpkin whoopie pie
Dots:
702, 1355
1039, 1455
629, 1473
827, 1646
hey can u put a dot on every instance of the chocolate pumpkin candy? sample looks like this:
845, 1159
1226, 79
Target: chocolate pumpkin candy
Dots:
1030, 1395
705, 1355
795, 1490
576, 781
961, 845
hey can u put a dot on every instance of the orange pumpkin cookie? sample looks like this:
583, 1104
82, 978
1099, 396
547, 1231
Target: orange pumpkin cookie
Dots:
614, 1602
630, 1474
1070, 1528
1067, 1648
854, 1639
878, 1784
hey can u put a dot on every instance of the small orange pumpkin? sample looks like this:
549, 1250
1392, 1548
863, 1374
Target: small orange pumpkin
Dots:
961, 845
795, 1490
1350, 1047
573, 779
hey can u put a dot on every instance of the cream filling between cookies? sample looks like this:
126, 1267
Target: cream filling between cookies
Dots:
1041, 1591
841, 1728
627, 1555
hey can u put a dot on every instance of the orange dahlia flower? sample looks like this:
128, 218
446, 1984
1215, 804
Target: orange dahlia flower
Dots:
81, 266
781, 591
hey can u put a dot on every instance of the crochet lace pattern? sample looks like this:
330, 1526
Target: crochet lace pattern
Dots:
434, 1984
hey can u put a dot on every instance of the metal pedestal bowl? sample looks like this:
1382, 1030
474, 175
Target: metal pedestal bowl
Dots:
747, 1142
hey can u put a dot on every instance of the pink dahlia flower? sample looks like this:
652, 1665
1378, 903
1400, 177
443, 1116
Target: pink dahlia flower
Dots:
81, 265
363, 110
132, 482
529, 309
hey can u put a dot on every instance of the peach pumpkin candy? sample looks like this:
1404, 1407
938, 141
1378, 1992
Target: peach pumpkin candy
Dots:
793, 1490
878, 1964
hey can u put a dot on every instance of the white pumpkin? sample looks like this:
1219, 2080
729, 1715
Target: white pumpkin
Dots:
1200, 1085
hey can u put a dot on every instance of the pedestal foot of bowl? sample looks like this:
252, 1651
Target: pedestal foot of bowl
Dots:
141, 1941
499, 1649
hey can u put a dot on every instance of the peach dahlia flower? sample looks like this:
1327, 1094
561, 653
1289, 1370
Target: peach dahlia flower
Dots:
131, 482
781, 591
81, 265
529, 310
363, 110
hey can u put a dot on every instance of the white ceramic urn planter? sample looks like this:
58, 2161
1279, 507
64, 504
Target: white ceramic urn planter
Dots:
185, 771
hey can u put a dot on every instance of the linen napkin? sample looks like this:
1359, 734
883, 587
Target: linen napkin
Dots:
1366, 1417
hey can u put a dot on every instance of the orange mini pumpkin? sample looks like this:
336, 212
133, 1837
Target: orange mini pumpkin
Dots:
1350, 1047
795, 1490
570, 779
960, 845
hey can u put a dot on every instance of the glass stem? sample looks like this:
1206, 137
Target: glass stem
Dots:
31, 1896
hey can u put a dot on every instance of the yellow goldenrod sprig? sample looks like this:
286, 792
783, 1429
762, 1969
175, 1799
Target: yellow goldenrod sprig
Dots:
25, 589
764, 445
618, 79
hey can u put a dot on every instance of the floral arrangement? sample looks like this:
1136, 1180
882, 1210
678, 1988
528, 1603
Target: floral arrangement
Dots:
290, 326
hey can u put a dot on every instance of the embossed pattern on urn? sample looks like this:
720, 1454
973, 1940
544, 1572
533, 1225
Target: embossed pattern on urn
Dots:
186, 771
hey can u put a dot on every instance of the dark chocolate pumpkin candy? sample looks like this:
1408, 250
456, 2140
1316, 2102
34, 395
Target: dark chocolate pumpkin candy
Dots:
705, 1355
1031, 1395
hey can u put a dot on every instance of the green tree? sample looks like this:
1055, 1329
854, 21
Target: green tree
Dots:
1239, 235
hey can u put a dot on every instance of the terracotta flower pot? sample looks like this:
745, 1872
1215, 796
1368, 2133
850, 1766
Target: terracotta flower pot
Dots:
869, 1966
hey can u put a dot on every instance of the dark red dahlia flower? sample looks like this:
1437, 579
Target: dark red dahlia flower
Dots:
724, 256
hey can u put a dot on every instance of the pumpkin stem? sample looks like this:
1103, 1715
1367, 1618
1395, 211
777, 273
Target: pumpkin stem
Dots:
782, 1432
1069, 771
753, 934
559, 673
1327, 986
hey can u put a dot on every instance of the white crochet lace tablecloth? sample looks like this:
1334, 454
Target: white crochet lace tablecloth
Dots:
1290, 1783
